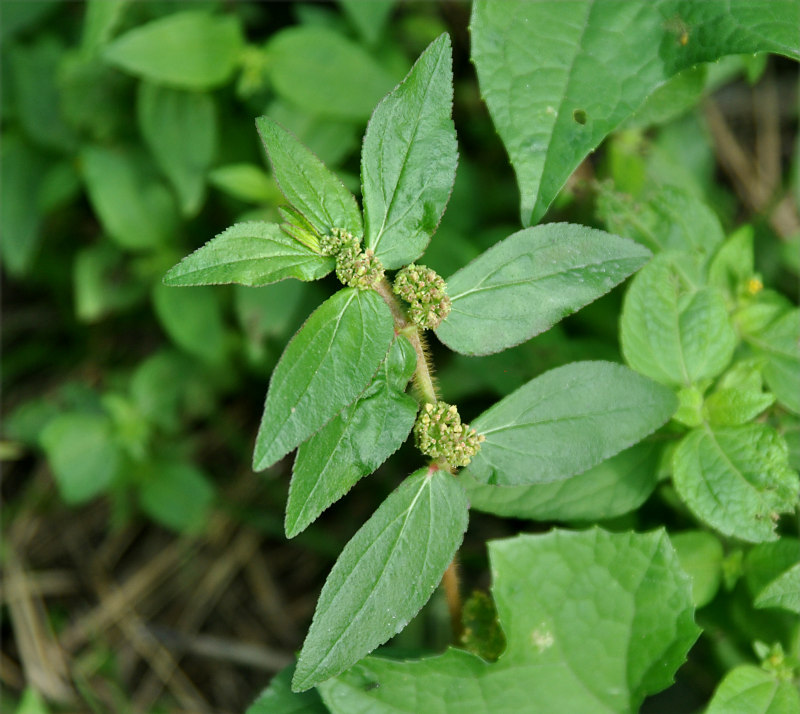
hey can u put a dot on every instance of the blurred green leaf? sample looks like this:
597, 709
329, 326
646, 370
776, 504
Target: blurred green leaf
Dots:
187, 50
102, 284
21, 169
180, 128
82, 455
750, 690
176, 494
771, 570
100, 21
326, 74
137, 211
247, 182
279, 698
700, 554
192, 317
369, 17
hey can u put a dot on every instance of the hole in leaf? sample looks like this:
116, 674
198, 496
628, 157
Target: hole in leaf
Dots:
579, 116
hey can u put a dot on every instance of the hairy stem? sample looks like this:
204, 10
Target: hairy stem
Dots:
453, 596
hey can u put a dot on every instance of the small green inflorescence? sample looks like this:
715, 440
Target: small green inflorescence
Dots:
354, 267
440, 434
426, 292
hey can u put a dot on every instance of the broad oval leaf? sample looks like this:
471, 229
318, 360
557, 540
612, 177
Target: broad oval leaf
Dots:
327, 364
409, 158
384, 575
736, 479
180, 129
354, 443
559, 76
566, 421
307, 183
82, 454
612, 488
323, 72
189, 50
671, 330
747, 689
526, 283
253, 253
138, 212
594, 622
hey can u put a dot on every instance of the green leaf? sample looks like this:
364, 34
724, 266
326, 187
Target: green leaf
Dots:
253, 253
526, 283
732, 406
354, 443
20, 211
566, 421
100, 21
323, 72
102, 283
736, 479
733, 265
369, 17
666, 218
137, 212
246, 182
325, 367
180, 128
779, 341
408, 163
82, 455
177, 495
783, 592
308, 185
773, 574
612, 488
192, 317
594, 621
558, 77
384, 575
32, 73
279, 698
750, 690
670, 330
701, 555
186, 50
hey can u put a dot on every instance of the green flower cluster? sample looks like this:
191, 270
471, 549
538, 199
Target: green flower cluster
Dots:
354, 267
425, 291
440, 434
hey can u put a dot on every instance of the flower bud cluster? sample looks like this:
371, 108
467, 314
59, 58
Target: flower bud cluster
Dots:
440, 434
354, 267
425, 291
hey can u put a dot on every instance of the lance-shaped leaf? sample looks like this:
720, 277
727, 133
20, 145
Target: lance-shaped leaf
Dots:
566, 421
773, 574
526, 283
384, 575
672, 331
327, 364
594, 622
559, 76
752, 690
736, 479
614, 487
307, 183
355, 442
408, 162
253, 253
